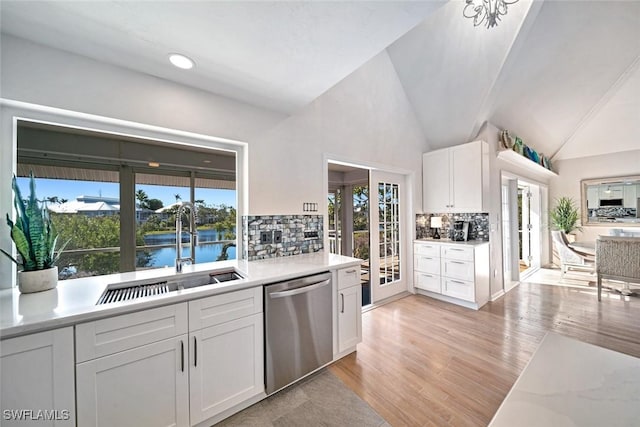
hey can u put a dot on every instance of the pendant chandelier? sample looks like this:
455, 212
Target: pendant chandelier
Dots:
488, 11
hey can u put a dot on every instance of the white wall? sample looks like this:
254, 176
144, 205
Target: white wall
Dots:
489, 133
365, 118
41, 75
572, 171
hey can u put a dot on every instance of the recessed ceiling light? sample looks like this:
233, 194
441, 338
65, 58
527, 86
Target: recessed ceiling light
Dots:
206, 161
154, 164
181, 61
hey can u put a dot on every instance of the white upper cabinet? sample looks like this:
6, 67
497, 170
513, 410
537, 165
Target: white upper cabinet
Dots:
456, 179
631, 196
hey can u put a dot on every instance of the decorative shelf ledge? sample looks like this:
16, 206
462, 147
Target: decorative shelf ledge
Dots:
520, 160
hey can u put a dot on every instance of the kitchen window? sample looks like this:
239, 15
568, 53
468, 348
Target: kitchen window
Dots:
115, 197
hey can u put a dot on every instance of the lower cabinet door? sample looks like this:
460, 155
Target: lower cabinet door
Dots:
37, 386
427, 281
349, 317
144, 386
458, 289
226, 366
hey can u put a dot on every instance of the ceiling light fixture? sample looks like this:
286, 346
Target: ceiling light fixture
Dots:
153, 164
486, 10
181, 61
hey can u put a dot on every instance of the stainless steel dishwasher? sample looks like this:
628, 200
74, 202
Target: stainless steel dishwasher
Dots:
298, 329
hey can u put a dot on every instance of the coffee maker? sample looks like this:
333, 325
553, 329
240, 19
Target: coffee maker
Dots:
460, 231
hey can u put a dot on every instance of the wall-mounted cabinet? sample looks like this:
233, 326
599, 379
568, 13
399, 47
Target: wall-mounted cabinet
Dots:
456, 179
611, 192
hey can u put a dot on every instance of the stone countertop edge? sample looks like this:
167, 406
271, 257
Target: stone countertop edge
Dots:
74, 301
453, 242
570, 382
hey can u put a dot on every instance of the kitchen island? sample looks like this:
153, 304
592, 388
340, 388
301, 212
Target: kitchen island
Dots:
571, 383
189, 357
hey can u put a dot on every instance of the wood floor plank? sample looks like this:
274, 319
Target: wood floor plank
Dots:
425, 362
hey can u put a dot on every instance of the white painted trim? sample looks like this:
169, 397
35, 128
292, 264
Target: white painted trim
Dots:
497, 295
11, 111
409, 179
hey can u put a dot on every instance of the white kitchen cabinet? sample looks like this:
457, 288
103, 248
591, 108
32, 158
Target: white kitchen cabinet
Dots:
227, 358
178, 365
631, 196
453, 272
456, 179
349, 310
593, 197
349, 318
38, 375
608, 192
146, 385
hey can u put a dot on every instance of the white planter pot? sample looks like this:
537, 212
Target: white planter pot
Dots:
38, 280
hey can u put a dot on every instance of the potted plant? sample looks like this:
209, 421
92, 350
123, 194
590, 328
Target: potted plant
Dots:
565, 215
35, 238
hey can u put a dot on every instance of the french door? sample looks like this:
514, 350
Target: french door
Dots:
388, 230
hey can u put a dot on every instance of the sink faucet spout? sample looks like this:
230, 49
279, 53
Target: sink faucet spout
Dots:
180, 260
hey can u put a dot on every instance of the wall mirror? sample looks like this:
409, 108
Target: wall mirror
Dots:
611, 201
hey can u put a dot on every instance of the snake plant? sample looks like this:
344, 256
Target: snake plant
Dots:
33, 232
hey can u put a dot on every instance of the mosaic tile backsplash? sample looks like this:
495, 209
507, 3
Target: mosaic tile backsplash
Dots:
478, 225
298, 235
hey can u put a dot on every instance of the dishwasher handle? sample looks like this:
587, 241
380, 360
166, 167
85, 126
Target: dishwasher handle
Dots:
300, 290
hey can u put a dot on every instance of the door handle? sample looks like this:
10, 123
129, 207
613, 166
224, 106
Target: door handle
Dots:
181, 356
300, 290
342, 309
195, 351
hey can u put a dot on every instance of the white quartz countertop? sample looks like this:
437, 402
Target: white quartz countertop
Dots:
571, 383
74, 301
453, 242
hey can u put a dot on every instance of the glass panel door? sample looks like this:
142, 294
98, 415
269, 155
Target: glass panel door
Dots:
388, 266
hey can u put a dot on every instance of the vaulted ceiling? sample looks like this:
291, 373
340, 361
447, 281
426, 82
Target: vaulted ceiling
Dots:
563, 75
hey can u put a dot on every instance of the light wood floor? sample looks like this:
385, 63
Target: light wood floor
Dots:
424, 362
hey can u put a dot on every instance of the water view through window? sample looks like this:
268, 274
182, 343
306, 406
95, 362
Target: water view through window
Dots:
87, 213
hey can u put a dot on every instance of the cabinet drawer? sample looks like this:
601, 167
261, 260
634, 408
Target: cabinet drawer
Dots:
458, 289
426, 249
348, 277
458, 252
427, 264
107, 336
426, 281
224, 307
454, 269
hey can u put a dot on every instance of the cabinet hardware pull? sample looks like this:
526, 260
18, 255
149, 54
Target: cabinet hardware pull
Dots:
456, 262
458, 282
456, 249
350, 271
195, 351
181, 356
342, 309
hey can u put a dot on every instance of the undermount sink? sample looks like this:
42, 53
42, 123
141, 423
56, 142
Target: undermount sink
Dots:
117, 292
